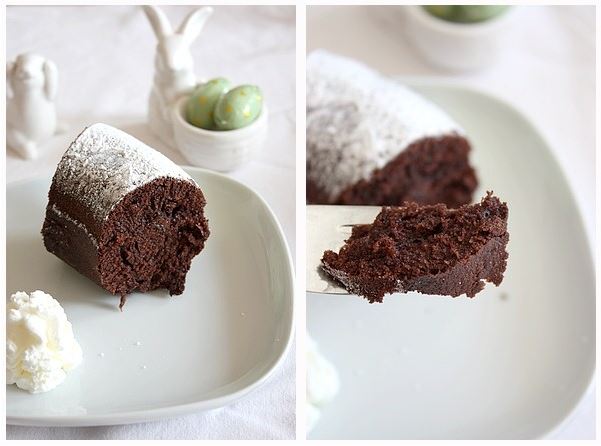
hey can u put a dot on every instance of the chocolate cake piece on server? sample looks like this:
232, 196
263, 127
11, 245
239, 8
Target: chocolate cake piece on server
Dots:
372, 141
429, 249
124, 215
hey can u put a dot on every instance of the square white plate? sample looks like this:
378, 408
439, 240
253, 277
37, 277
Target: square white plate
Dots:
203, 349
510, 363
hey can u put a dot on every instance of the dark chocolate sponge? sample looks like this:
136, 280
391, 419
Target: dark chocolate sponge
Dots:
429, 249
124, 215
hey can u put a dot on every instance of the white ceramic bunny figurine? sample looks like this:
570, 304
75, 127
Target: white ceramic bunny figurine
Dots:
30, 110
174, 66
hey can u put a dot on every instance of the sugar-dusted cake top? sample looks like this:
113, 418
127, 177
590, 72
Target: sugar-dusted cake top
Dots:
359, 120
104, 164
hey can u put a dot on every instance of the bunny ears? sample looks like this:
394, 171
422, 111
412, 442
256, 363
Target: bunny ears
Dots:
190, 27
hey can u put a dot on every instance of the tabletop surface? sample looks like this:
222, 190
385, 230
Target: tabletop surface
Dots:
545, 68
105, 61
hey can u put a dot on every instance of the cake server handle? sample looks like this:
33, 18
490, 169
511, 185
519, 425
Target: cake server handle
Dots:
327, 228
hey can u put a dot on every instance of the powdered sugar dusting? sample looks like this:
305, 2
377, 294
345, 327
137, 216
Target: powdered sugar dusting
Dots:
104, 164
358, 121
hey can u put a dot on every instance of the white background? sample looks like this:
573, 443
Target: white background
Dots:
105, 60
545, 68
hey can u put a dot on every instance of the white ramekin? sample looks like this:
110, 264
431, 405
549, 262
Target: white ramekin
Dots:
454, 46
217, 150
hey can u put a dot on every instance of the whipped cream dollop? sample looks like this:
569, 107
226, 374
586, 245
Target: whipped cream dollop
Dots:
322, 383
40, 345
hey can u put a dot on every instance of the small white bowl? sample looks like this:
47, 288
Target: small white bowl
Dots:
221, 150
454, 46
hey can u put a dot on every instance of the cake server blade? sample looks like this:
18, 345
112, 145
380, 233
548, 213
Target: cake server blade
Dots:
327, 228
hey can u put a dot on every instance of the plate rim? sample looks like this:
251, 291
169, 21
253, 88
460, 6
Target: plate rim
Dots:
170, 411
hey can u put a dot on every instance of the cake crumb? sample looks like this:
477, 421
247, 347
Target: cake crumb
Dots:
504, 296
122, 302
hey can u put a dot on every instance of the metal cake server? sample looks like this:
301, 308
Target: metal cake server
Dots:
327, 228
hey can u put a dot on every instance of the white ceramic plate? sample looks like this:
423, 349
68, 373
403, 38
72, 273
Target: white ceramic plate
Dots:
510, 363
203, 349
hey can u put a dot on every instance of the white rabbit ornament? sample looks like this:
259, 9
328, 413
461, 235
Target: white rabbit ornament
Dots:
174, 66
30, 111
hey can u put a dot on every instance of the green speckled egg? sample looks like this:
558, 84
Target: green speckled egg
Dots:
200, 106
466, 13
239, 107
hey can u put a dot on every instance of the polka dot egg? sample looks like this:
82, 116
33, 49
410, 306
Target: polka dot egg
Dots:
201, 105
238, 108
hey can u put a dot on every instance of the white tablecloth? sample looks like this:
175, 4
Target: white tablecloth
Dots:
105, 60
545, 67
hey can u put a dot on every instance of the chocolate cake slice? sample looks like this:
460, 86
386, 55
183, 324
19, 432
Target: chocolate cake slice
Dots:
373, 141
429, 249
123, 214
